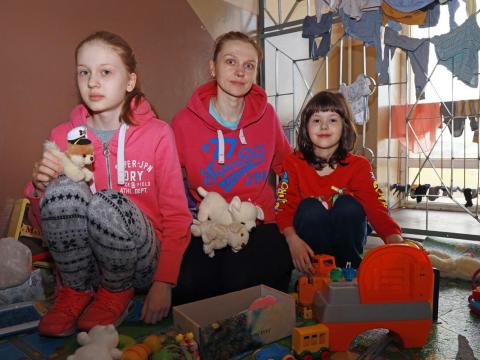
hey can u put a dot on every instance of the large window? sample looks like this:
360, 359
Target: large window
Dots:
455, 156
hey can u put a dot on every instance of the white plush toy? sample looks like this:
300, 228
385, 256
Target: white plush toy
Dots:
100, 343
217, 236
461, 267
213, 207
245, 212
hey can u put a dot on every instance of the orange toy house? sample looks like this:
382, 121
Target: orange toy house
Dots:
394, 291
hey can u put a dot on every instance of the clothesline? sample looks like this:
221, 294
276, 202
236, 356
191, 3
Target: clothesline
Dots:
367, 29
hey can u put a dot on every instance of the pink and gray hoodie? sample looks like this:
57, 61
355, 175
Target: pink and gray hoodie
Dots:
142, 163
231, 162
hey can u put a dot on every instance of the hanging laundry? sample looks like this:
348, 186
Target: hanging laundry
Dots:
416, 17
313, 29
452, 9
434, 193
449, 119
421, 191
458, 51
469, 109
469, 195
399, 189
357, 96
366, 29
413, 189
455, 113
424, 119
408, 5
433, 15
417, 51
356, 8
471, 6
324, 7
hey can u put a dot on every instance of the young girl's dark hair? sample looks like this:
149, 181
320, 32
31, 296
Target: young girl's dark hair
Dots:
125, 52
327, 101
235, 35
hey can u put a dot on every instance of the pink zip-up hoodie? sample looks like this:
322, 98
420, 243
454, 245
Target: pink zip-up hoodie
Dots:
231, 162
149, 175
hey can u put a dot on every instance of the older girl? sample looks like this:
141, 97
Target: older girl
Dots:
129, 229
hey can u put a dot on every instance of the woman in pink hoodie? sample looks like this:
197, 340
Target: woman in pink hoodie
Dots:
229, 138
128, 229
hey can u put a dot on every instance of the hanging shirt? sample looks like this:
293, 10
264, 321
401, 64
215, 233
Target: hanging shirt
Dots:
458, 51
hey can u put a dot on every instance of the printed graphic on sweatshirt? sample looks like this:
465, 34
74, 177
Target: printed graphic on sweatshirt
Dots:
282, 191
138, 177
240, 164
379, 191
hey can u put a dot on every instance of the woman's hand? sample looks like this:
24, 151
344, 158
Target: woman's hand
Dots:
157, 303
45, 170
300, 251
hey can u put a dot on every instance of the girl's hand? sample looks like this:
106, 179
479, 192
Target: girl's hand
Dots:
394, 239
45, 170
301, 252
157, 303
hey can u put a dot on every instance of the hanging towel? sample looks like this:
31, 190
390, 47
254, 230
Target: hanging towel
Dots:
424, 119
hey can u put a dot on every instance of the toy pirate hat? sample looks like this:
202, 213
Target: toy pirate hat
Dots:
78, 136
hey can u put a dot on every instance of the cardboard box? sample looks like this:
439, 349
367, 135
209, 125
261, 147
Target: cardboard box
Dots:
224, 327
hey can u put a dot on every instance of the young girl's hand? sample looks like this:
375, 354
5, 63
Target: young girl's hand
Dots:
157, 303
394, 239
45, 170
300, 251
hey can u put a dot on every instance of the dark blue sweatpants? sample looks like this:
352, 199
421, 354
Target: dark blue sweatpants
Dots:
340, 231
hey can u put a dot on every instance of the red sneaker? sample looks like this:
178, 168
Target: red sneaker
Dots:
61, 319
107, 308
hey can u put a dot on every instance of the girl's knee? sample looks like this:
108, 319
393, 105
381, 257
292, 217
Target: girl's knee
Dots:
349, 207
62, 188
310, 211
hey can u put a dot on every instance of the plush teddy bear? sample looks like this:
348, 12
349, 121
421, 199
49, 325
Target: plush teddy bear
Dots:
218, 236
245, 212
79, 154
461, 267
100, 343
213, 207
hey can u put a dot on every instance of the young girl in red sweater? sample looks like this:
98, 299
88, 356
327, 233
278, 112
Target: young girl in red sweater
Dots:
326, 194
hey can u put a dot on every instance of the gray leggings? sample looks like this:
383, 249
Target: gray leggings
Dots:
101, 239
